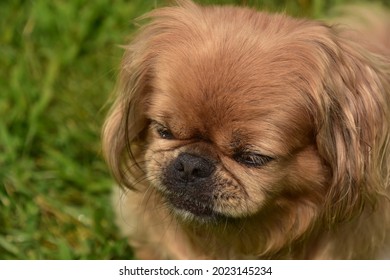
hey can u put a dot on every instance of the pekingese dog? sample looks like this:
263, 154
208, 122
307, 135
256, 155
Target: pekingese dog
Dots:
238, 134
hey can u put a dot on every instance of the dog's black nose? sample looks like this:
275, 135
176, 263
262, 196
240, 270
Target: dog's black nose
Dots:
190, 168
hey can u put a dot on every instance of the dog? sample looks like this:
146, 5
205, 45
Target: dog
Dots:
239, 134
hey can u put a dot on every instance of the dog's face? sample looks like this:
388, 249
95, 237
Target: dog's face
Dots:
224, 138
234, 118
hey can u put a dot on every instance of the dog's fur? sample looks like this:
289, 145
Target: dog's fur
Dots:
281, 126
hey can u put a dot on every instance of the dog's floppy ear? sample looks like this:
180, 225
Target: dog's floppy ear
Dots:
352, 123
122, 131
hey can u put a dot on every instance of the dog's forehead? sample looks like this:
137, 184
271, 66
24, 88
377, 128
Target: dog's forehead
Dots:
228, 82
223, 68
222, 84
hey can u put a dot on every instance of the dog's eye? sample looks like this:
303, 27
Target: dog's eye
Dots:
252, 159
164, 132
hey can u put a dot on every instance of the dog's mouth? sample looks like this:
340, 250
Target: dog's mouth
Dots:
200, 208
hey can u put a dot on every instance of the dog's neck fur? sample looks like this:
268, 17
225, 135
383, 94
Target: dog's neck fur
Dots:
248, 240
172, 238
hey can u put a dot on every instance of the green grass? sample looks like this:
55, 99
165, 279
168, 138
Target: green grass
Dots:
58, 63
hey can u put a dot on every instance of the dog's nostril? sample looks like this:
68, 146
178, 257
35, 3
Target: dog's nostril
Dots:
179, 166
191, 167
197, 172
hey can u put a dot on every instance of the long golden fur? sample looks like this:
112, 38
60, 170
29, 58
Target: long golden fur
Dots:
239, 134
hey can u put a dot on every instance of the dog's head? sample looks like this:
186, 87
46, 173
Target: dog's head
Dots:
233, 113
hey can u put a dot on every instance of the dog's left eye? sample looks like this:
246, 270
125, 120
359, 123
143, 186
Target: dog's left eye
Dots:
252, 159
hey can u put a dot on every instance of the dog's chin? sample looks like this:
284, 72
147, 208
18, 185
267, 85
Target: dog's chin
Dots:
190, 209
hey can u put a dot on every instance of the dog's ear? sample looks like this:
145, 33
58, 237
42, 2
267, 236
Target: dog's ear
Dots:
122, 134
352, 124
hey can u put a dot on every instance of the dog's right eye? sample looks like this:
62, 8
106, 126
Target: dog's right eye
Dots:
164, 132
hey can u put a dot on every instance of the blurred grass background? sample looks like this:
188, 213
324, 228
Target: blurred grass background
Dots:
58, 63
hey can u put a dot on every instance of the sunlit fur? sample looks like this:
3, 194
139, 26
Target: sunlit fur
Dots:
313, 97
